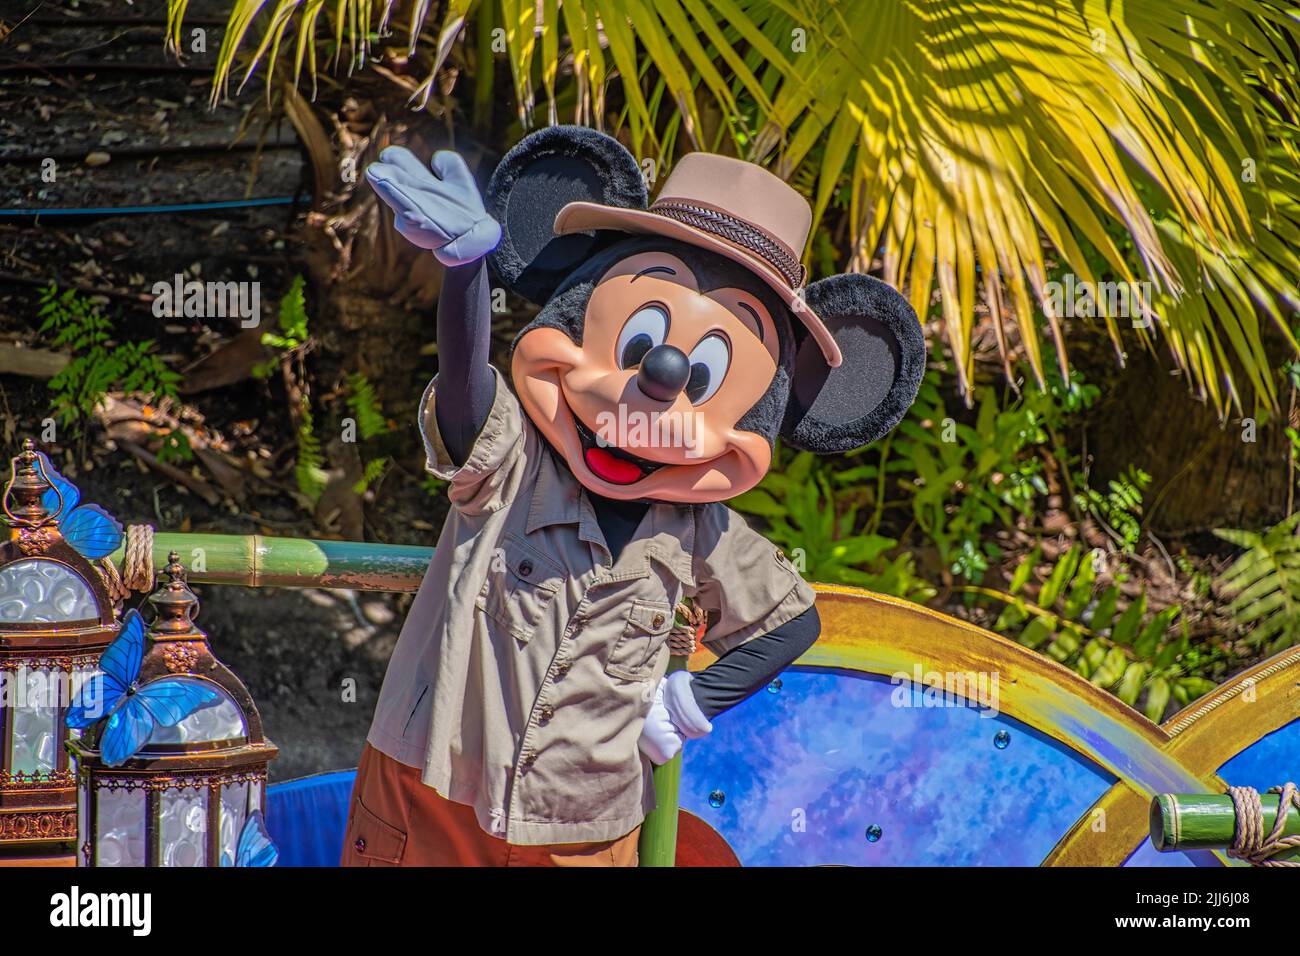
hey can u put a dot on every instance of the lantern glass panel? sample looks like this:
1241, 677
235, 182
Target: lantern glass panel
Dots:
35, 726
41, 591
218, 721
234, 811
120, 825
184, 827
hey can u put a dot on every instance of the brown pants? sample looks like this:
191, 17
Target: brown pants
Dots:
396, 820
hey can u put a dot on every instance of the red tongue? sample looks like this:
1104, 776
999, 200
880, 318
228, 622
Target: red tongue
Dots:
617, 471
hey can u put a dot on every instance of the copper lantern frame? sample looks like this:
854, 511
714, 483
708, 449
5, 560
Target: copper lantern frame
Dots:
176, 647
38, 812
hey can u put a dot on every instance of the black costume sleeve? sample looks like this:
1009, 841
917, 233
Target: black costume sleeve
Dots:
466, 386
745, 669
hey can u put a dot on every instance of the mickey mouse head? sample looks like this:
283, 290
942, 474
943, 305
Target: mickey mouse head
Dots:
677, 341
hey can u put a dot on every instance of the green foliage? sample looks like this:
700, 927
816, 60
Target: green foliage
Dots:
371, 423
1118, 510
309, 470
1194, 85
812, 515
967, 478
97, 364
1264, 583
371, 472
1139, 655
365, 407
293, 332
175, 448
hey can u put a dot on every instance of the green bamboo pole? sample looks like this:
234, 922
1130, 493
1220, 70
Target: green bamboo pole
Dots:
1204, 821
658, 844
255, 560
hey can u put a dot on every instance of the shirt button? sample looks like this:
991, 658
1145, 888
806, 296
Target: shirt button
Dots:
547, 712
360, 845
525, 568
530, 758
658, 620
562, 669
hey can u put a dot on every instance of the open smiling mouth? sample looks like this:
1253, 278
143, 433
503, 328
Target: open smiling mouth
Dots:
609, 462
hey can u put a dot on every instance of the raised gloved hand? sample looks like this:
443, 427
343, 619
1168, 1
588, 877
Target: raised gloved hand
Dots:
674, 718
437, 208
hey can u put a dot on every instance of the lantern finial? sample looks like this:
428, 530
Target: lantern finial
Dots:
27, 484
175, 602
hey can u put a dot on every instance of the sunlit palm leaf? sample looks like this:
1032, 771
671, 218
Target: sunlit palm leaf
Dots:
983, 147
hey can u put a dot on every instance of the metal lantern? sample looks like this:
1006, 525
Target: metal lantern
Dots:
56, 617
193, 789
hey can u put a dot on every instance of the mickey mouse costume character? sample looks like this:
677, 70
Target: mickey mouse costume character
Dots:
527, 697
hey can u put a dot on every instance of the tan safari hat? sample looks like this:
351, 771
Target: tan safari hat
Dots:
731, 207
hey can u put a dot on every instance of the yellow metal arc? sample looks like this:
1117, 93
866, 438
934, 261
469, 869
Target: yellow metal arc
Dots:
892, 638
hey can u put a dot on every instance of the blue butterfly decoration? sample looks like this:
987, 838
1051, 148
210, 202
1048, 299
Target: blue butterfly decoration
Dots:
255, 846
89, 528
132, 712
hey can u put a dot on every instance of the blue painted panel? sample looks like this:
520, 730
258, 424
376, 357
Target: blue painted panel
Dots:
805, 772
1269, 762
307, 817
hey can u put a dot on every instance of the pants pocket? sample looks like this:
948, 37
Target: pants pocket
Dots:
372, 840
376, 831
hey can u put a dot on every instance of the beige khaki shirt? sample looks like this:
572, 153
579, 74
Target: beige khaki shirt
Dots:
527, 665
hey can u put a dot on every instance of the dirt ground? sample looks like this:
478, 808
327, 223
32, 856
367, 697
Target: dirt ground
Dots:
78, 78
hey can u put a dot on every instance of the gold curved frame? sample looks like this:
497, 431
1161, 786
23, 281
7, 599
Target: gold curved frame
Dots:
887, 636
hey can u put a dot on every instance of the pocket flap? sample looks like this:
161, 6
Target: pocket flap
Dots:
530, 565
373, 839
651, 618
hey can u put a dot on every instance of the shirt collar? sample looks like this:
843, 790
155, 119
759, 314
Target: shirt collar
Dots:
668, 533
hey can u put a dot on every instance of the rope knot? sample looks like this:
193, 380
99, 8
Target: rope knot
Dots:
1249, 842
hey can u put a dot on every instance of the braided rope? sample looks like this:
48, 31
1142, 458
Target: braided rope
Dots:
741, 233
1250, 843
117, 591
137, 564
683, 638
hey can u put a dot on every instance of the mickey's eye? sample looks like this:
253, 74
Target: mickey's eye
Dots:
647, 328
709, 362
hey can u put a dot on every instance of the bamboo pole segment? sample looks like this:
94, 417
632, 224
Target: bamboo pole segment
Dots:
658, 844
1202, 821
255, 560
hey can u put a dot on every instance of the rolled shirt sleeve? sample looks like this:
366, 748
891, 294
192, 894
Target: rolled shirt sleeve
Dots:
483, 483
745, 582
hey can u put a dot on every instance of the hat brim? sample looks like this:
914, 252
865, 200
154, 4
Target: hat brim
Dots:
584, 216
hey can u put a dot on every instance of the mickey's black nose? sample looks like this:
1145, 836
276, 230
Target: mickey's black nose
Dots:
664, 372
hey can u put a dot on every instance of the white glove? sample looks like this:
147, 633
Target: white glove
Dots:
674, 718
437, 207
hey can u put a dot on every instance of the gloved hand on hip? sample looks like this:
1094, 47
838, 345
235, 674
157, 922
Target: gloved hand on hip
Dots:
437, 208
674, 718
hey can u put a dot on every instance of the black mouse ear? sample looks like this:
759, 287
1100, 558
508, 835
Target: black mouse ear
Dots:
835, 410
546, 171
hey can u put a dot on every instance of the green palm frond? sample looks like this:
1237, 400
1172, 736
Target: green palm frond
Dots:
1264, 583
977, 147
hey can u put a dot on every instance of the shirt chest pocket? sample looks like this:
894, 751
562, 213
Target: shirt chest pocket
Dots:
635, 653
521, 584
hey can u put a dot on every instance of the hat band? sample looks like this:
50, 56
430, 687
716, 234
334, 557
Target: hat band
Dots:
743, 234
